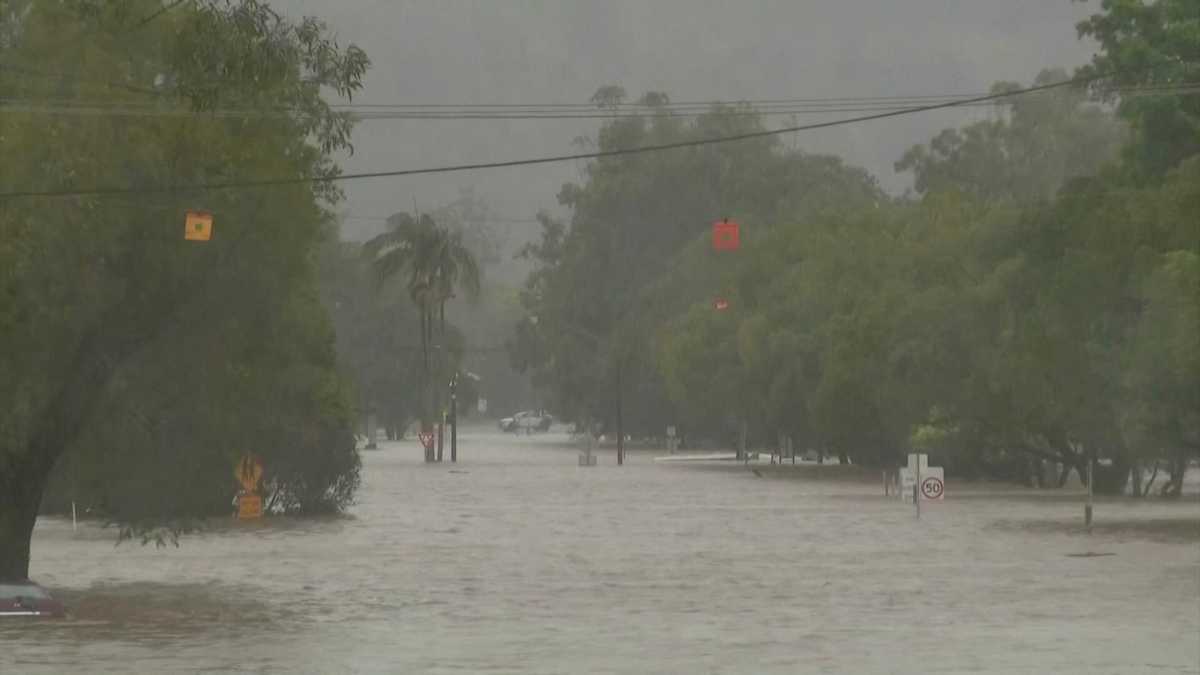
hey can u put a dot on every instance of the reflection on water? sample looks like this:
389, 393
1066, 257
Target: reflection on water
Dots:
519, 561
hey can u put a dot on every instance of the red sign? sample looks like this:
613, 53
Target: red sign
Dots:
720, 304
725, 236
426, 438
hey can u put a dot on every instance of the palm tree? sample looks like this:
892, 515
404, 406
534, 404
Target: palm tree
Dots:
436, 263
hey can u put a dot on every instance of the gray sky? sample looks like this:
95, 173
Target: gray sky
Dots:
539, 51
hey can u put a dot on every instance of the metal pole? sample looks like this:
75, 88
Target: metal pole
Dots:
917, 488
454, 419
591, 438
1087, 509
620, 424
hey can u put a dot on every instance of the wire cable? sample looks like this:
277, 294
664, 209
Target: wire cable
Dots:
368, 112
453, 168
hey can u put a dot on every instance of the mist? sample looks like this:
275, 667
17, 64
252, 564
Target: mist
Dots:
551, 52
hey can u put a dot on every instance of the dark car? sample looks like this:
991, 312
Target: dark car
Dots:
26, 598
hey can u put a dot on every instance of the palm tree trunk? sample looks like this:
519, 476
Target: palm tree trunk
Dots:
426, 417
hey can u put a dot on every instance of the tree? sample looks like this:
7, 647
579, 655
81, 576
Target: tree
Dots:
374, 342
1150, 44
95, 284
633, 255
1039, 142
436, 263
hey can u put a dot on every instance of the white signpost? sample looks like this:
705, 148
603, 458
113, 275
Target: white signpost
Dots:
920, 478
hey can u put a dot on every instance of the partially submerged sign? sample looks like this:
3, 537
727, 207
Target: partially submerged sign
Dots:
248, 473
932, 478
426, 438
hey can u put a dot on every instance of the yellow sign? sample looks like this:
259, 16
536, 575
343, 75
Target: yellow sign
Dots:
248, 473
198, 226
249, 507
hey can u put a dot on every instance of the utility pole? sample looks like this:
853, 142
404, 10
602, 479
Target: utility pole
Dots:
620, 424
440, 411
917, 487
454, 419
1087, 509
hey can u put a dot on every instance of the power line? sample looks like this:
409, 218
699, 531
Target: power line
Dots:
271, 182
485, 221
367, 112
11, 107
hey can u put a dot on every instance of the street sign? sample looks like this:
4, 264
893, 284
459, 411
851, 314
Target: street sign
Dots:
249, 506
197, 226
426, 438
481, 405
248, 473
932, 479
933, 488
726, 235
671, 431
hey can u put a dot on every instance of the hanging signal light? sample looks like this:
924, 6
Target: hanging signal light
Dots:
725, 235
198, 226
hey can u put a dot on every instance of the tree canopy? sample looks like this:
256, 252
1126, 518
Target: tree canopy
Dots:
124, 345
1033, 301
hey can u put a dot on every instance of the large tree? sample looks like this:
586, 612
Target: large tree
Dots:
610, 277
1035, 144
94, 284
1152, 46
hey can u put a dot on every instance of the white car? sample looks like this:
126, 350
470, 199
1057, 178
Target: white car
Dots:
527, 421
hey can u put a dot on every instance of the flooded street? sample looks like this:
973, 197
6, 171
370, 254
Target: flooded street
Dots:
518, 561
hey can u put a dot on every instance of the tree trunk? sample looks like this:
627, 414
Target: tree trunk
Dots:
1174, 487
18, 512
1064, 472
1135, 483
426, 416
1111, 479
23, 477
1150, 481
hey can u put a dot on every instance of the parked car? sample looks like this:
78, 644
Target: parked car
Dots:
26, 598
527, 421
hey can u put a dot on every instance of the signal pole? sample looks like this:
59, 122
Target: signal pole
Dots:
454, 419
620, 425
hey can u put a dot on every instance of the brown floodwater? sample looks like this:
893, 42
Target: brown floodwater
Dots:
516, 560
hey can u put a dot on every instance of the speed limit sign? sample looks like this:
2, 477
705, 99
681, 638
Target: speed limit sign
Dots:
933, 488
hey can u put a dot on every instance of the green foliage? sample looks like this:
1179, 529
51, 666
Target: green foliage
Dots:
1037, 143
1151, 43
375, 345
1037, 304
436, 263
634, 254
151, 361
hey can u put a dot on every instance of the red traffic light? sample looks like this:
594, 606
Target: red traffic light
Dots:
720, 304
725, 235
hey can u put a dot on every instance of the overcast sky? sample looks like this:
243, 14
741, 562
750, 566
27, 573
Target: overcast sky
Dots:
531, 51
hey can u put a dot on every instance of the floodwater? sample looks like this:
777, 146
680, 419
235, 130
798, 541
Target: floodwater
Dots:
516, 560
